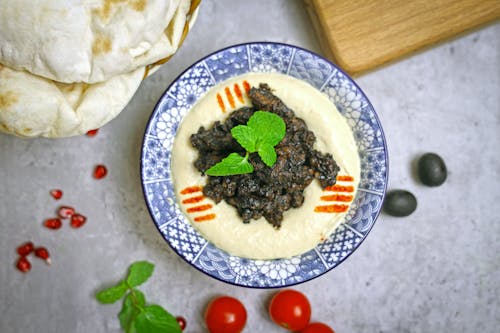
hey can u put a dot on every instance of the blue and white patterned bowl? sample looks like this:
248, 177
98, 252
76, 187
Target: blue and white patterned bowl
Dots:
180, 97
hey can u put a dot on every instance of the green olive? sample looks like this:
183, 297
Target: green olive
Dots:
431, 169
400, 203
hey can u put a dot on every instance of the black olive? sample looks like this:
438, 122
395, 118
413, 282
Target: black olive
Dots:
431, 169
400, 203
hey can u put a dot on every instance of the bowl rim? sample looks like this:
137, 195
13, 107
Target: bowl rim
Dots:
336, 67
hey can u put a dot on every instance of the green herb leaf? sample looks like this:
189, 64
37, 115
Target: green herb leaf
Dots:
139, 272
267, 154
269, 127
138, 298
135, 316
113, 294
154, 319
233, 164
131, 328
263, 131
127, 316
245, 136
132, 305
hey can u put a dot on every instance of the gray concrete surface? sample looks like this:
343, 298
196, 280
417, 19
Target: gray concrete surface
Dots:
435, 271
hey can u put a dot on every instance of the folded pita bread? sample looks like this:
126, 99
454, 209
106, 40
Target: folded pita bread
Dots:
34, 106
50, 86
85, 41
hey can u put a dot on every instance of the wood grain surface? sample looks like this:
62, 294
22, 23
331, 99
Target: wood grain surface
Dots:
360, 35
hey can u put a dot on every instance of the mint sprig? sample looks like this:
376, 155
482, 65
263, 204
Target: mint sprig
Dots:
263, 131
135, 315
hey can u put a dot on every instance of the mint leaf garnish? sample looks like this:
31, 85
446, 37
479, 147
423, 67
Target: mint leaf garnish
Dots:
233, 164
139, 272
245, 136
267, 154
269, 127
135, 315
154, 319
113, 294
263, 131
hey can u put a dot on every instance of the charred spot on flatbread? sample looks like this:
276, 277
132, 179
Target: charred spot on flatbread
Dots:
8, 99
105, 11
102, 44
138, 5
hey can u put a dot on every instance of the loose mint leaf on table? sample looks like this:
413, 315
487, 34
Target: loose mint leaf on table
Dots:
127, 315
263, 131
154, 319
139, 272
234, 164
113, 294
132, 305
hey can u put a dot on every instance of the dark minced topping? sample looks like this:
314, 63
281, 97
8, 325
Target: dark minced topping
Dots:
268, 191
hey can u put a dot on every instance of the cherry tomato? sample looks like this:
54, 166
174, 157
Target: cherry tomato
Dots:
225, 314
317, 328
290, 309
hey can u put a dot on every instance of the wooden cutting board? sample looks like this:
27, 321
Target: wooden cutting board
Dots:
360, 35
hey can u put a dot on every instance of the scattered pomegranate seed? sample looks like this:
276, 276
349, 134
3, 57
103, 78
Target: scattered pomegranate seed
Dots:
65, 212
77, 220
100, 171
92, 132
42, 253
25, 249
54, 223
56, 194
23, 264
181, 321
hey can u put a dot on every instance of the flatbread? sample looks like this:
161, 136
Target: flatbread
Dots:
87, 41
33, 105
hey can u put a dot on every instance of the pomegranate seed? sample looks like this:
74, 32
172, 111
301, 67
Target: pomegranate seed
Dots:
181, 321
100, 171
56, 194
77, 220
54, 223
25, 249
23, 264
42, 253
92, 132
65, 212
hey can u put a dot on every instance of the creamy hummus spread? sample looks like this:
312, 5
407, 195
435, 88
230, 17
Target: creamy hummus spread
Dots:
302, 228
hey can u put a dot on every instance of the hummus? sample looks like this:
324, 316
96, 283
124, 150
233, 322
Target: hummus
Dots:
302, 228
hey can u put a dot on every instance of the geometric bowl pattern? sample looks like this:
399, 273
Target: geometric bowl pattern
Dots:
180, 97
